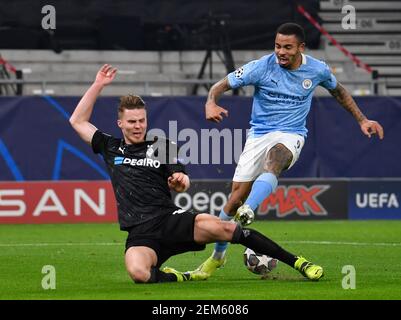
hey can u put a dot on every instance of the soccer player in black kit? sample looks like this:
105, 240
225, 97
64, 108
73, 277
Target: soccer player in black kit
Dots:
143, 170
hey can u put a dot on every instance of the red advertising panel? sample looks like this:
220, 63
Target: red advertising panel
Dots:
57, 202
294, 199
306, 199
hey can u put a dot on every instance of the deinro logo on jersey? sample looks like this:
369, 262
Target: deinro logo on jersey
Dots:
144, 162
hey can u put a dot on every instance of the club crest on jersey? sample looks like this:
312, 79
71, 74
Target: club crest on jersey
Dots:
307, 84
150, 151
239, 72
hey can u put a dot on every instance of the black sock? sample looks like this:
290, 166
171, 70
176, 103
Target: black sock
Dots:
261, 244
159, 276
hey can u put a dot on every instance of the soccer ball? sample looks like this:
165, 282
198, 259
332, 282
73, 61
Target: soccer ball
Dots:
259, 263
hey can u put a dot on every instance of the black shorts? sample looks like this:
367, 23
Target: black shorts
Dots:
173, 235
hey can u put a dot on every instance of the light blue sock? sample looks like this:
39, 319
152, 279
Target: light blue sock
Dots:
221, 247
265, 184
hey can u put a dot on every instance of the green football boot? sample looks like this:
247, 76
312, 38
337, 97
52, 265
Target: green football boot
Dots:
308, 269
210, 265
187, 276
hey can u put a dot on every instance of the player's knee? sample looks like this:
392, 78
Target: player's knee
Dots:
226, 230
274, 169
139, 275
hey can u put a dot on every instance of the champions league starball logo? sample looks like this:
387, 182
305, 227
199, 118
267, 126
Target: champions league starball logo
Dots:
307, 84
239, 72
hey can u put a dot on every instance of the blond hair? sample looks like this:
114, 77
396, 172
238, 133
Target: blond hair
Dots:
130, 102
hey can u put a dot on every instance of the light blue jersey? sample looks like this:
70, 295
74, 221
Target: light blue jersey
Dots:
282, 97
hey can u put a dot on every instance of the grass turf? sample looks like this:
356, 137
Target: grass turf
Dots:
89, 264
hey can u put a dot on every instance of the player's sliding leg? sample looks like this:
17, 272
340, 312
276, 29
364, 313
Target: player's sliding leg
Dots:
259, 243
140, 261
160, 276
308, 269
265, 184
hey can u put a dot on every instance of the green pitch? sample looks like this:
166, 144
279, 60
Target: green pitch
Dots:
89, 264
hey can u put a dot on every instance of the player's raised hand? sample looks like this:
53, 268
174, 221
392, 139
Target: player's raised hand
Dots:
370, 127
214, 112
106, 74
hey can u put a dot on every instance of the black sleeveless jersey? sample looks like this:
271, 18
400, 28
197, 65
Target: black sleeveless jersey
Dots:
139, 175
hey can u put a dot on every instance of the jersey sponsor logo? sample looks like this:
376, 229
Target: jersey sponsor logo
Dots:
118, 160
286, 97
143, 162
239, 72
301, 200
307, 84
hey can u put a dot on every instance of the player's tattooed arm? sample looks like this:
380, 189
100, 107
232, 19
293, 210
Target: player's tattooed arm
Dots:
345, 99
213, 111
217, 90
368, 127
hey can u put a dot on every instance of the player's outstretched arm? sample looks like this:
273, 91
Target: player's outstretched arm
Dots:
368, 127
213, 111
82, 113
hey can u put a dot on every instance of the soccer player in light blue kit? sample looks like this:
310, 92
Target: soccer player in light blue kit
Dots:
284, 82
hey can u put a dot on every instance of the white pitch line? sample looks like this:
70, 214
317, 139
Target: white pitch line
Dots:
70, 244
391, 244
